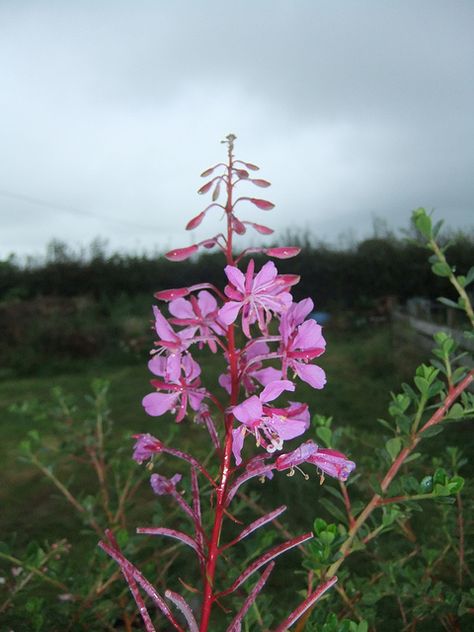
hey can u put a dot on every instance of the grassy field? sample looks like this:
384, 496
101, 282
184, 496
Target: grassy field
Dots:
361, 371
362, 368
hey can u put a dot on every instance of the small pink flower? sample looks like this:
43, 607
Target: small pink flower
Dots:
328, 461
163, 486
186, 389
257, 296
302, 342
248, 374
201, 314
145, 447
172, 344
270, 426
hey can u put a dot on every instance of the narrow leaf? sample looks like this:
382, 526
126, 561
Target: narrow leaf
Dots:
256, 524
197, 510
235, 625
185, 608
263, 559
306, 604
140, 579
171, 533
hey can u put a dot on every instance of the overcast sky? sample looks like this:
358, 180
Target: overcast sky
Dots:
109, 110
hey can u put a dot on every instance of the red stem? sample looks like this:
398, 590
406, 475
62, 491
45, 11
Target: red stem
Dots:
213, 551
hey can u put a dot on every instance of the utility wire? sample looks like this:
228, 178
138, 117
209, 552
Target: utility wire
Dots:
72, 210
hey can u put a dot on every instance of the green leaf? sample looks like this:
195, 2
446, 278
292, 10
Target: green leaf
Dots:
325, 434
422, 384
333, 510
469, 277
456, 484
439, 477
441, 269
393, 447
448, 302
432, 431
422, 222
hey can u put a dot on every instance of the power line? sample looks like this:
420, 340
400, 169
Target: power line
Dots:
72, 210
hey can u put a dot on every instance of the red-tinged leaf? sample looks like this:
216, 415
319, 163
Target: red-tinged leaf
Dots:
194, 223
149, 627
197, 510
261, 183
241, 173
171, 533
250, 166
235, 626
263, 559
129, 569
205, 187
264, 205
170, 295
216, 192
283, 253
256, 524
263, 230
185, 609
307, 603
238, 226
180, 254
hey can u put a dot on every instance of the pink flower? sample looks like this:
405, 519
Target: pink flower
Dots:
328, 461
163, 486
248, 374
302, 342
258, 297
171, 344
145, 447
186, 389
270, 426
201, 314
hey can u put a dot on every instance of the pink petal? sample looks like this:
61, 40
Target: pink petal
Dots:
225, 382
162, 326
265, 376
249, 411
173, 367
229, 312
265, 277
288, 429
309, 336
157, 404
181, 308
191, 368
236, 277
207, 303
274, 389
157, 365
195, 399
310, 373
238, 436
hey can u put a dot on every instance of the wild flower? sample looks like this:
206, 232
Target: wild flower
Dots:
256, 376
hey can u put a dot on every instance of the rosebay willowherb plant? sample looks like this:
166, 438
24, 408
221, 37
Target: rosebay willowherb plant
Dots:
248, 428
